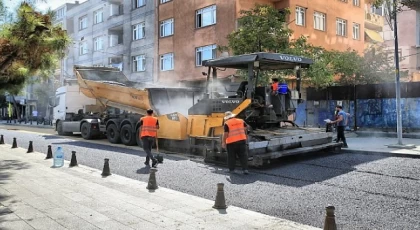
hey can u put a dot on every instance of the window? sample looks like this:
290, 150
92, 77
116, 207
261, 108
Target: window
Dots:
60, 14
83, 22
356, 31
139, 3
356, 2
98, 43
319, 21
138, 31
167, 62
300, 16
83, 49
98, 16
205, 53
167, 27
341, 27
139, 63
206, 16
164, 1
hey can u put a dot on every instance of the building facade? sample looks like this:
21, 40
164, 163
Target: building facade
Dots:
118, 33
190, 31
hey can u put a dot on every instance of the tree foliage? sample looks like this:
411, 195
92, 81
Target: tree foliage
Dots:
263, 29
29, 46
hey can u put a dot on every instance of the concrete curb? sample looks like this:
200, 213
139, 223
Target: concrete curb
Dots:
388, 154
386, 134
25, 125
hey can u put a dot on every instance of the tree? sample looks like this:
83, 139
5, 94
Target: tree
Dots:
30, 46
261, 29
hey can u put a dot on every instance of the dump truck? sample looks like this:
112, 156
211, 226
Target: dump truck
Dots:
191, 119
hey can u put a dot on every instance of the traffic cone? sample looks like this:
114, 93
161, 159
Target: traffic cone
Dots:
106, 171
1, 140
14, 145
220, 202
49, 153
30, 148
152, 185
73, 161
329, 223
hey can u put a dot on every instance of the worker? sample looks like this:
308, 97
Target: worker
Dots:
234, 141
148, 134
274, 85
341, 125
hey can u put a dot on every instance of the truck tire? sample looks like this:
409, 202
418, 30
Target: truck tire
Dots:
138, 140
60, 129
113, 134
85, 130
127, 135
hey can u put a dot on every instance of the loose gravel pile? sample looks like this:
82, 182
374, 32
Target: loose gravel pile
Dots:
369, 192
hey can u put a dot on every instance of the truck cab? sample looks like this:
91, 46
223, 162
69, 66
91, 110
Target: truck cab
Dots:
69, 100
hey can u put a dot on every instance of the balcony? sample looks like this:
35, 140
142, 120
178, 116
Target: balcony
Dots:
374, 22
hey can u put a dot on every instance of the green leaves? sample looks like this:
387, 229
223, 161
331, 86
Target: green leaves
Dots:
30, 46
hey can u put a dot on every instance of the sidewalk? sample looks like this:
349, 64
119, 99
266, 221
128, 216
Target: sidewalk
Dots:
378, 145
35, 196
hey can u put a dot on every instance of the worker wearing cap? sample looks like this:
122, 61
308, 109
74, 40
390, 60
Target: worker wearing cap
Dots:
234, 141
148, 134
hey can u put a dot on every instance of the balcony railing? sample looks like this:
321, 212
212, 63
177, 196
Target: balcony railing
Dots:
374, 21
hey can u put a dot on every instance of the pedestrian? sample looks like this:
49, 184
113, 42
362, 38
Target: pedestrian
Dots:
274, 85
148, 134
234, 141
341, 121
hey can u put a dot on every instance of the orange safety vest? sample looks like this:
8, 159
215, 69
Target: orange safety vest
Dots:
275, 86
236, 130
149, 128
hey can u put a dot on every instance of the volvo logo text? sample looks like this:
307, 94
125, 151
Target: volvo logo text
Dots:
289, 58
230, 101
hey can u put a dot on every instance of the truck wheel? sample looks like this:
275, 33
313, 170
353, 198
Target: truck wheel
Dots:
138, 140
85, 130
60, 129
127, 135
113, 134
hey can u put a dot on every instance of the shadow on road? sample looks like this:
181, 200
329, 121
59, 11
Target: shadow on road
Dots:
300, 170
95, 146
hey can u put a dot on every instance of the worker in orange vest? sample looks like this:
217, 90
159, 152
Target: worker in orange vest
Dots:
148, 134
234, 141
274, 86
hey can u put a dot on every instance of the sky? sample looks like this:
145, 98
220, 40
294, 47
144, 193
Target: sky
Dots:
53, 4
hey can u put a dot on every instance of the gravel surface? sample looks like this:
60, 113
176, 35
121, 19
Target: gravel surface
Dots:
369, 192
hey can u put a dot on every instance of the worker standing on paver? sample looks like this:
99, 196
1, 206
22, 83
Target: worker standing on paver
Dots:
148, 134
234, 141
341, 125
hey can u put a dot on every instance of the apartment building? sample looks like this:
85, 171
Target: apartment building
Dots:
118, 33
374, 25
408, 41
190, 31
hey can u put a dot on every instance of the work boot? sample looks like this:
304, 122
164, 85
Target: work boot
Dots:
147, 163
246, 172
345, 146
154, 163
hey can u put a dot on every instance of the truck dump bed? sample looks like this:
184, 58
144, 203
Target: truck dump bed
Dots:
112, 89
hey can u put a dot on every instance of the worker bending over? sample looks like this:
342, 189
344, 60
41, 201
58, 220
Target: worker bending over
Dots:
148, 134
234, 141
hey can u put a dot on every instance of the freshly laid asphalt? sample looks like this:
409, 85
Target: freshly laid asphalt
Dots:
368, 191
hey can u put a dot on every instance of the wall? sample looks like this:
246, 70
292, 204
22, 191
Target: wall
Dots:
374, 106
187, 38
407, 39
127, 50
332, 9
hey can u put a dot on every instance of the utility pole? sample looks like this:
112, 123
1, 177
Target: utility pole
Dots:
397, 75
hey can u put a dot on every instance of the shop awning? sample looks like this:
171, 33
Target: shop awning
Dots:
375, 36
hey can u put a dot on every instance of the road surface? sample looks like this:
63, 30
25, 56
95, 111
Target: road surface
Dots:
368, 191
